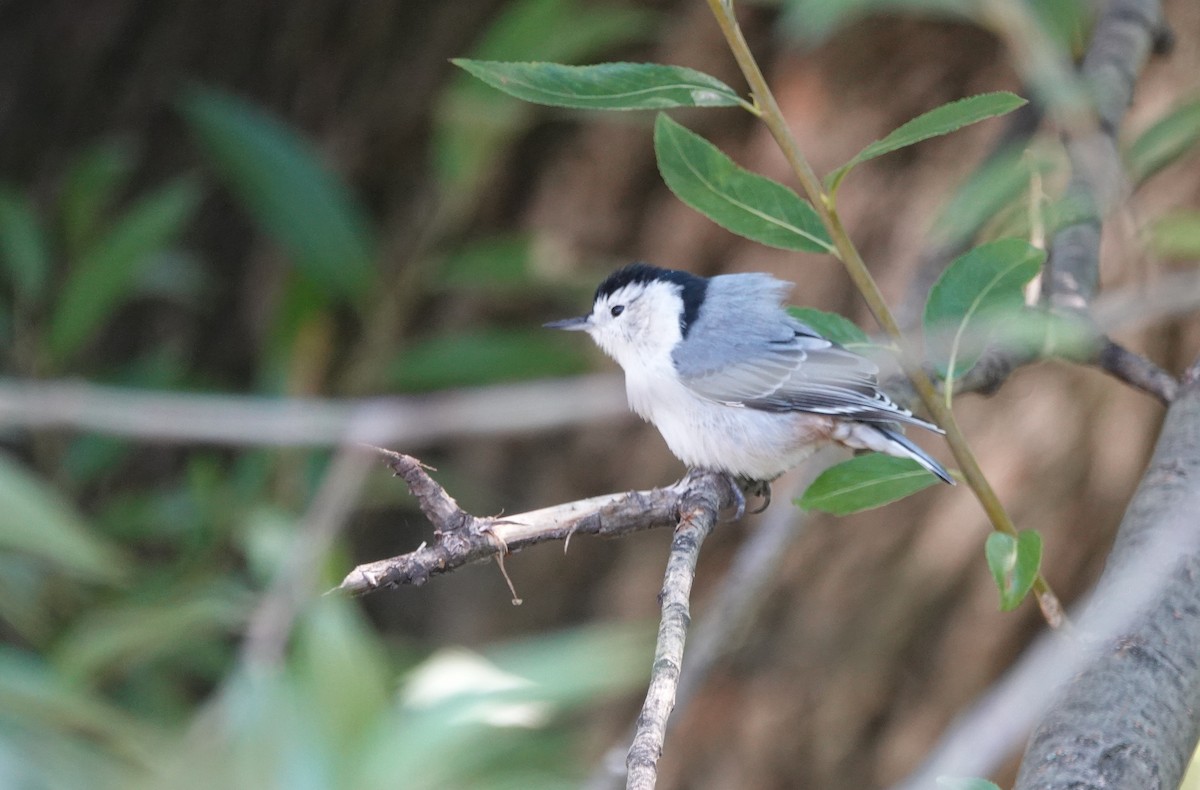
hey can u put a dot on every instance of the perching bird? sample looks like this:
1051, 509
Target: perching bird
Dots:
732, 381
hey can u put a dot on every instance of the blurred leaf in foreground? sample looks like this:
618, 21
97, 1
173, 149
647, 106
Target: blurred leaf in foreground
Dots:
280, 180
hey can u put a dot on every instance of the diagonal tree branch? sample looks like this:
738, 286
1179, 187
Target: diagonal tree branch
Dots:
1128, 719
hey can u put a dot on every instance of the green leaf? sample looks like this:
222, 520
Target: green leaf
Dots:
1177, 235
1014, 563
471, 358
108, 643
965, 783
832, 326
474, 122
935, 123
279, 179
983, 282
606, 86
740, 201
24, 251
495, 264
102, 279
1002, 181
1164, 142
865, 482
91, 189
37, 520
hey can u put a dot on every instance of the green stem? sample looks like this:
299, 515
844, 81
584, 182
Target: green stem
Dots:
859, 274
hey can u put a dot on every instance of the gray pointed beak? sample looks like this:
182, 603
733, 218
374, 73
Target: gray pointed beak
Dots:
571, 324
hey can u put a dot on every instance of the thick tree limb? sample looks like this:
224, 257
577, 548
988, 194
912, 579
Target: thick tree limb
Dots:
1129, 719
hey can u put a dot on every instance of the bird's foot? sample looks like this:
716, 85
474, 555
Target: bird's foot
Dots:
743, 487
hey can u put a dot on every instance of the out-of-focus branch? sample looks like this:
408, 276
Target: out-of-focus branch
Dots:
271, 623
255, 420
460, 538
1122, 40
1136, 371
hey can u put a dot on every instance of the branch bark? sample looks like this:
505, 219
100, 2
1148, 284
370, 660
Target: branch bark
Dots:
1128, 720
460, 538
697, 516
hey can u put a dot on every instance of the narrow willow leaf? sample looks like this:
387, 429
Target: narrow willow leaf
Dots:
865, 482
24, 251
1177, 236
985, 281
38, 521
95, 181
100, 281
837, 328
606, 86
1014, 563
1164, 142
120, 640
474, 123
281, 182
935, 123
736, 199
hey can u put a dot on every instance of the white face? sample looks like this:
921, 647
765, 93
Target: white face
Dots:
637, 324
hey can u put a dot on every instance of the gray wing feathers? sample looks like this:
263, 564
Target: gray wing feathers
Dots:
746, 350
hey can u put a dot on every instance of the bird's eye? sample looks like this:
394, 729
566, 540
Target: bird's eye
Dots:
617, 310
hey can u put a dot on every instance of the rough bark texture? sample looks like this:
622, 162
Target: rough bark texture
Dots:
1130, 720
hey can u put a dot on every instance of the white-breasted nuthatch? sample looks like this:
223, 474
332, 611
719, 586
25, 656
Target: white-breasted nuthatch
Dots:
732, 381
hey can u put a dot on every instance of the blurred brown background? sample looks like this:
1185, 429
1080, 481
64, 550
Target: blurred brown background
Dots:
880, 626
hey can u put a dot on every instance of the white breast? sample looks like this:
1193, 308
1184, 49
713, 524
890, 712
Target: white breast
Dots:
705, 434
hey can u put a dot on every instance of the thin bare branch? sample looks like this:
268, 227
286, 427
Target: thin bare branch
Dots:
460, 538
733, 612
697, 516
1137, 371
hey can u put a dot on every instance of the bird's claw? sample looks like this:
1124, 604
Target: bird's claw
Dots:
741, 487
761, 488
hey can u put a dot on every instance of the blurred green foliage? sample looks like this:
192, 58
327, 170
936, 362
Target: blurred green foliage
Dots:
128, 574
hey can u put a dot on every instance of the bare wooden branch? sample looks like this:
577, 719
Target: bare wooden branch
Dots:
460, 538
1137, 371
698, 510
693, 504
1128, 719
732, 611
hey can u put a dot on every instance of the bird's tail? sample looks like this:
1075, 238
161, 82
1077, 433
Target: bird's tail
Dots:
899, 445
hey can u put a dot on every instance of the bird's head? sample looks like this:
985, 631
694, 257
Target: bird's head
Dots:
641, 312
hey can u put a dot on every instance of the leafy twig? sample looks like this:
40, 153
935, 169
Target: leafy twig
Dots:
773, 117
